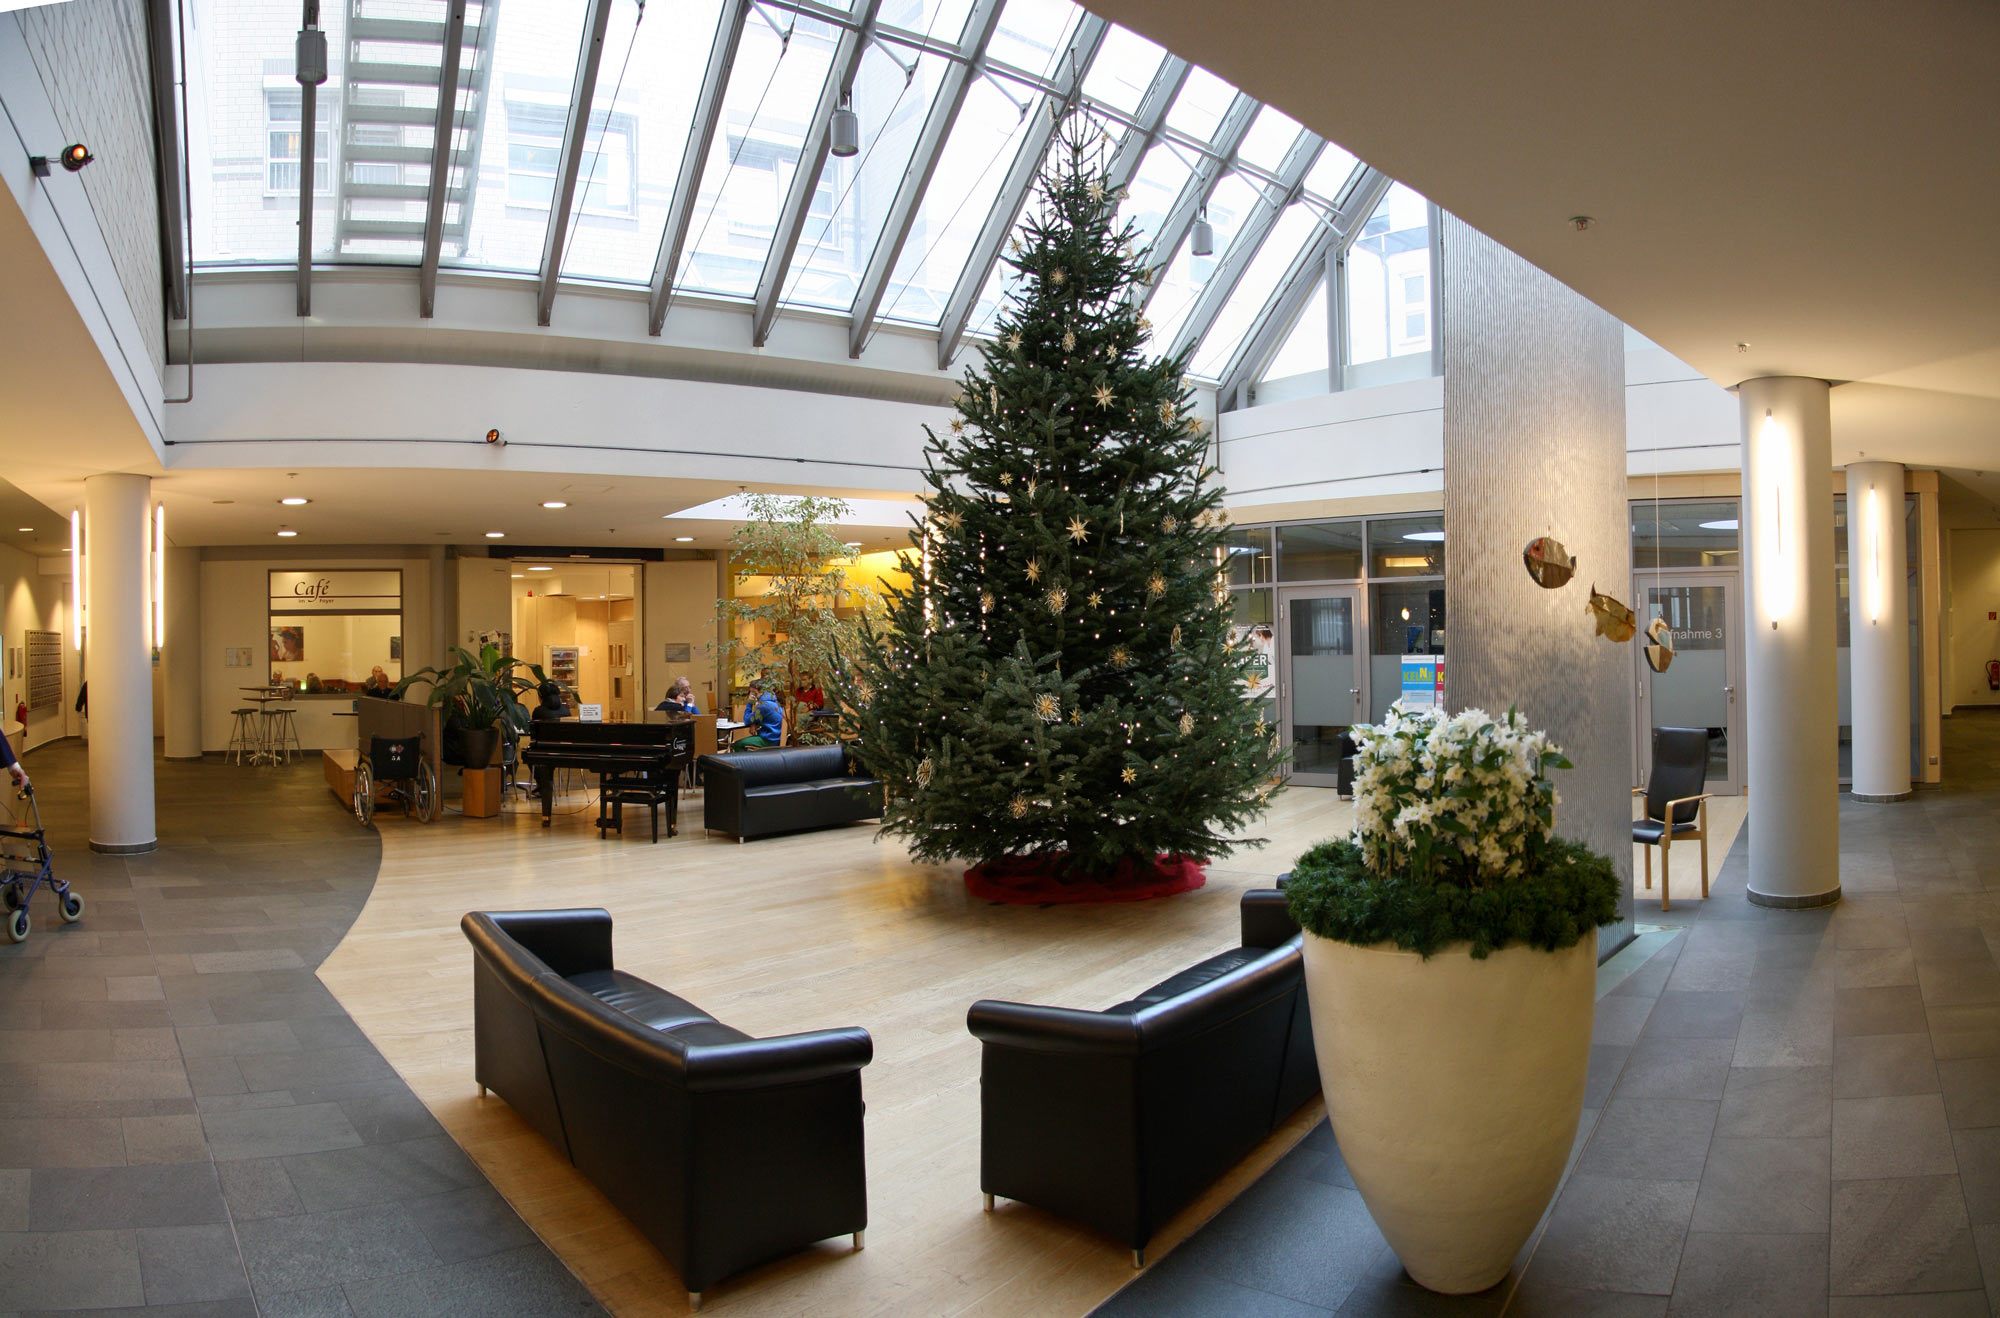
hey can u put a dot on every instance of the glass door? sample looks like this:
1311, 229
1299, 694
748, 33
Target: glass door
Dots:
1699, 688
1324, 692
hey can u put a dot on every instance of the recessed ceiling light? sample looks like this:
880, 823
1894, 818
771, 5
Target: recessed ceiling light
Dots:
1424, 535
683, 539
496, 535
24, 529
295, 501
554, 503
517, 576
541, 567
285, 533
1726, 524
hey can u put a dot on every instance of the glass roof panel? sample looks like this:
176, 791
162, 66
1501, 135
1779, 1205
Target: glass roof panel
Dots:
1271, 135
1288, 237
943, 19
1198, 110
1309, 345
1033, 34
533, 53
992, 301
767, 112
852, 199
1123, 69
1328, 177
1188, 274
626, 182
1152, 191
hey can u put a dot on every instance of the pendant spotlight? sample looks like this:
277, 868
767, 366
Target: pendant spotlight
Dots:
72, 158
311, 50
844, 129
1204, 234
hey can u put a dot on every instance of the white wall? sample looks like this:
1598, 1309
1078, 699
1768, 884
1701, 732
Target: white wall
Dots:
485, 600
31, 600
235, 612
1972, 567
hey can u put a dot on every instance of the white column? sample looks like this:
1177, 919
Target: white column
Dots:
180, 655
1787, 523
117, 512
1878, 630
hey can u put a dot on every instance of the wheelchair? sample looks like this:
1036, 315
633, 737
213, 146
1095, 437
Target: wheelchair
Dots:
396, 764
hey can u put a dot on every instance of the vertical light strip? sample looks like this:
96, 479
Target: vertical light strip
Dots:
1876, 529
1777, 570
159, 575
76, 578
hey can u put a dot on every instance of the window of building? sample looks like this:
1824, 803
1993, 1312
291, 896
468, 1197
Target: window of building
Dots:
329, 629
534, 154
284, 140
1406, 546
1247, 555
1319, 551
1388, 281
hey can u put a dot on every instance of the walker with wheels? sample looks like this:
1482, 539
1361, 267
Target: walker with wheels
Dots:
30, 865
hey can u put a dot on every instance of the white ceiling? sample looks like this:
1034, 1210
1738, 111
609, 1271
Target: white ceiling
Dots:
1818, 180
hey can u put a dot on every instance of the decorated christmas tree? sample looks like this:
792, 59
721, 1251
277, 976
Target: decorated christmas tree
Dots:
1057, 696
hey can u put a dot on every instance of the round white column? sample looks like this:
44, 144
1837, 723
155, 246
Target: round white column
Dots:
1878, 630
180, 655
117, 640
1791, 701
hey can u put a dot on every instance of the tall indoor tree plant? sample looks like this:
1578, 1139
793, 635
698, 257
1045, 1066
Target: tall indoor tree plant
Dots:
1450, 958
476, 693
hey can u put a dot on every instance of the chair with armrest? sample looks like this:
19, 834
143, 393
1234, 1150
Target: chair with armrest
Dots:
1676, 805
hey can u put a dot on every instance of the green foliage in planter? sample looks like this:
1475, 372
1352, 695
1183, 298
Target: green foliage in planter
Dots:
1569, 891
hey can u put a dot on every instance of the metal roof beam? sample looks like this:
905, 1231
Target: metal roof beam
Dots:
1043, 115
576, 138
1249, 240
980, 26
1274, 323
1151, 121
442, 133
167, 153
701, 135
1194, 195
797, 206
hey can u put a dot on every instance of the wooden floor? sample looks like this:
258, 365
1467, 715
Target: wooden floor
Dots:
799, 933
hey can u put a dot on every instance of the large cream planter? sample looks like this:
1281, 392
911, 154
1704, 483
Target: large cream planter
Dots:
1454, 1086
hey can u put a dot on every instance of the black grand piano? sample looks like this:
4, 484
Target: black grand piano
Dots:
635, 764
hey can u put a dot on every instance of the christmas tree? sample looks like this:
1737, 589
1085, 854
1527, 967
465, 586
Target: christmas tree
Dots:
1057, 695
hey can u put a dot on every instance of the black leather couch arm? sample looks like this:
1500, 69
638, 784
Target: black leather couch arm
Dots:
785, 1059
567, 942
722, 793
1267, 918
1052, 1029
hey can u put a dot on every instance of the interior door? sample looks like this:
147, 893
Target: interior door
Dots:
1321, 639
1699, 688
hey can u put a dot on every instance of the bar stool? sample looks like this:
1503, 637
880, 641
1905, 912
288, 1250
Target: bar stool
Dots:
243, 735
281, 734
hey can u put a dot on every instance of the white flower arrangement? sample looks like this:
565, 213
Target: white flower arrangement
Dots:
1460, 796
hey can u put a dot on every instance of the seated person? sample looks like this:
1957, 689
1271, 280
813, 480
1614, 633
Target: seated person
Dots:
378, 684
680, 699
549, 702
764, 717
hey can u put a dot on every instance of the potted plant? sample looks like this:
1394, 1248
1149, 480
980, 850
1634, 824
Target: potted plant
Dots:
476, 692
1450, 962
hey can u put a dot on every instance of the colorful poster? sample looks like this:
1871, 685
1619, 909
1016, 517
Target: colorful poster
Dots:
1261, 681
1423, 681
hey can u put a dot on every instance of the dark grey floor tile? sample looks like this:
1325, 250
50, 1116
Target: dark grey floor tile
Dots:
315, 1250
14, 1184
1964, 1032
1537, 1299
214, 1075
68, 1083
1971, 1090
1959, 983
278, 1131
1903, 1136
258, 1187
379, 1173
388, 1118
1979, 1171
1676, 1068
237, 1040
108, 1015
97, 1198
1777, 1100
1683, 1015
304, 1070
1292, 1237
1902, 1235
1764, 1185
1606, 1062
71, 1270
1751, 1275
1611, 1234
1617, 1021
1950, 943
326, 1302
1945, 1304
470, 1222
1661, 1139
318, 1032
522, 1283
1801, 1036
1879, 1011
1881, 1065
191, 1264
63, 1142
1394, 1295
164, 1139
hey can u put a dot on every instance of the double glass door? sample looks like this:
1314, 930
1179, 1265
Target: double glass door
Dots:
1699, 688
1326, 677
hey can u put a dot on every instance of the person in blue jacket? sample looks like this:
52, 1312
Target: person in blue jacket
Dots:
764, 716
12, 764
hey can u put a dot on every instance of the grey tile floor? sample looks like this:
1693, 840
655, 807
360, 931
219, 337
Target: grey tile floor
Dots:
193, 1120
1790, 1112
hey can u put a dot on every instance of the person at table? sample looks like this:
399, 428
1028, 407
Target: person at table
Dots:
680, 699
765, 718
378, 684
549, 703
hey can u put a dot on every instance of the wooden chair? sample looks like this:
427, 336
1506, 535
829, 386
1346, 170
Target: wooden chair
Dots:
1676, 807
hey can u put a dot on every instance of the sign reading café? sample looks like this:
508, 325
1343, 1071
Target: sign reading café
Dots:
337, 590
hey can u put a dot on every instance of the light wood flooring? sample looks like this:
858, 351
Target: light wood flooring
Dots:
798, 933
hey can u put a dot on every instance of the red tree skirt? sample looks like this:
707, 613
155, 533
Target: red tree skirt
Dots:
1045, 878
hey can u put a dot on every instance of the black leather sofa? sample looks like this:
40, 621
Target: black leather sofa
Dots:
725, 1150
758, 793
1120, 1118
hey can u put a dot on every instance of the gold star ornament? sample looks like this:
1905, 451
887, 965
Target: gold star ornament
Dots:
1058, 598
1187, 724
1096, 190
1069, 341
1034, 569
1129, 774
958, 425
1079, 531
1104, 395
1047, 707
1156, 586
1014, 341
1094, 600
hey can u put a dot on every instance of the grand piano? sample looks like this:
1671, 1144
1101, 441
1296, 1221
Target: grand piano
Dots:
635, 763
